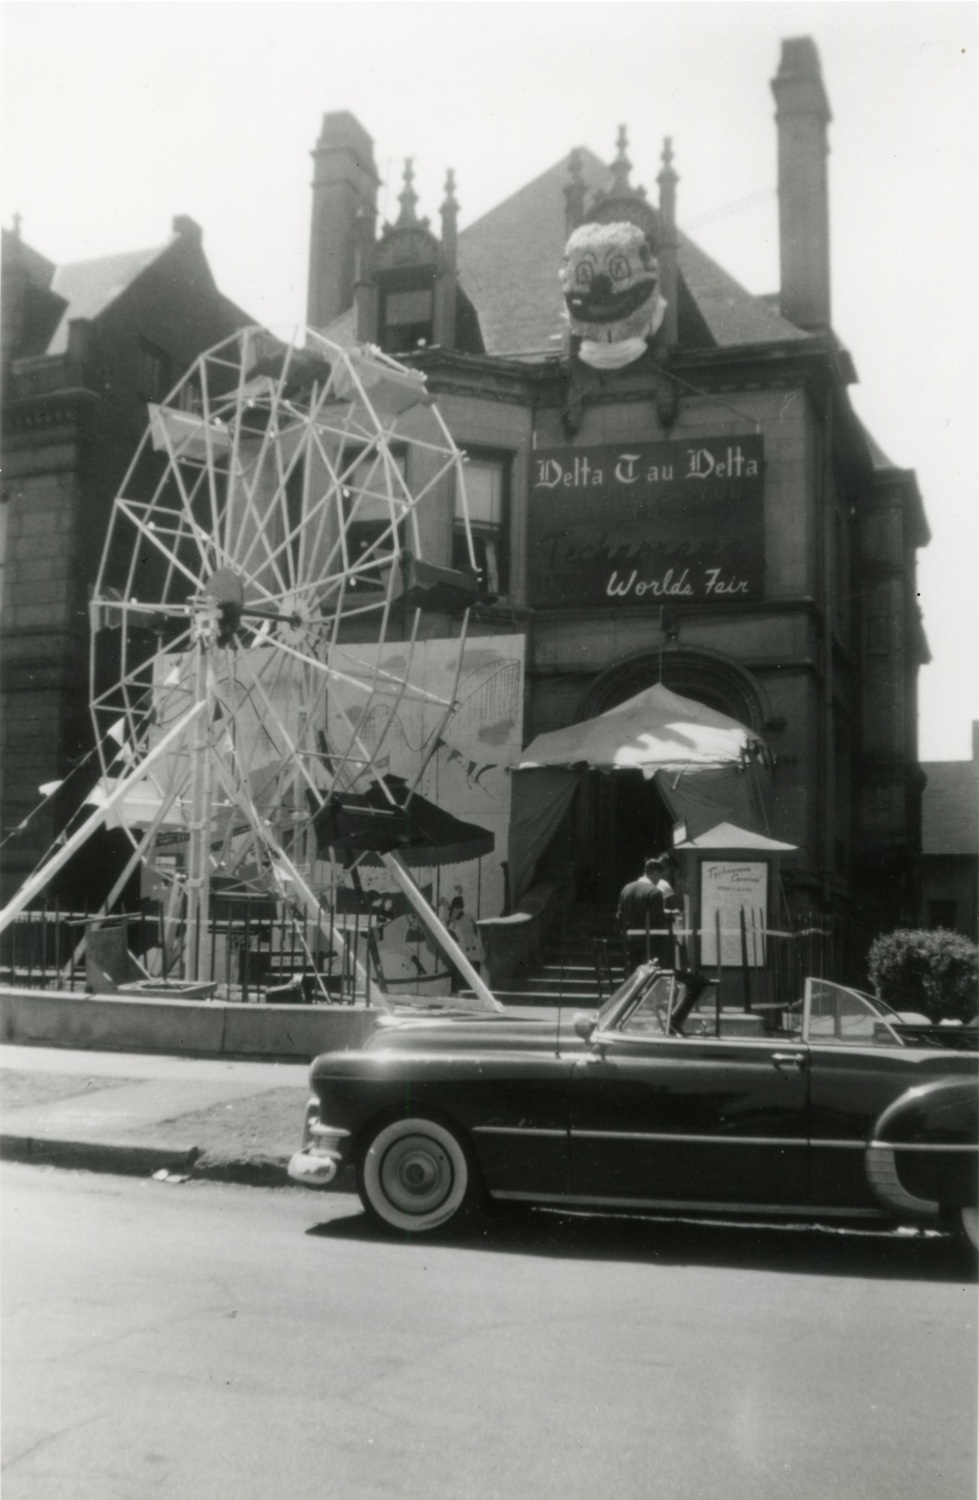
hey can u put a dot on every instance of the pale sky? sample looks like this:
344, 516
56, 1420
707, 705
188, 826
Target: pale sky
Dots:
116, 116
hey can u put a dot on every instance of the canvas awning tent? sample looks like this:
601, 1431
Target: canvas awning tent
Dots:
700, 758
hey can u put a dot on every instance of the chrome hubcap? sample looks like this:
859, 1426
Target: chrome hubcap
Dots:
416, 1174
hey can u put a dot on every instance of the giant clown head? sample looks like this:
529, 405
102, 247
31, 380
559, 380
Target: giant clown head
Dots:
611, 288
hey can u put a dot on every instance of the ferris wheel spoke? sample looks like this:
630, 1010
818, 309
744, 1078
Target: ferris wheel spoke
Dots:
187, 522
149, 531
391, 703
268, 441
282, 740
255, 552
211, 465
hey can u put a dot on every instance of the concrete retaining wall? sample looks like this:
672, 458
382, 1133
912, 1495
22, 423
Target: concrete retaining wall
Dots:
213, 1028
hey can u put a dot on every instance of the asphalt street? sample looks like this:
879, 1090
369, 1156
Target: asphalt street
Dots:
200, 1340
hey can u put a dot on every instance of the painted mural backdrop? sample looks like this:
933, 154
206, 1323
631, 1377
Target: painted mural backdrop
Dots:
466, 773
647, 523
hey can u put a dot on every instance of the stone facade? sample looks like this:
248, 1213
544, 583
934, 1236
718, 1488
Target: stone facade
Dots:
823, 660
84, 349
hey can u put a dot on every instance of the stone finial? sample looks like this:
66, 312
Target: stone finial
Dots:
408, 198
450, 207
450, 215
574, 192
667, 180
15, 229
446, 283
622, 166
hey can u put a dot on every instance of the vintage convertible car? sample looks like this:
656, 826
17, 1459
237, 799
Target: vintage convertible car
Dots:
836, 1108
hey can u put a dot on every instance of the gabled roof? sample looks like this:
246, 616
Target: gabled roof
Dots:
950, 807
89, 286
510, 258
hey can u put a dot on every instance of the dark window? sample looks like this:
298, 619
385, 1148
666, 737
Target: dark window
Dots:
370, 501
407, 308
408, 319
487, 485
152, 372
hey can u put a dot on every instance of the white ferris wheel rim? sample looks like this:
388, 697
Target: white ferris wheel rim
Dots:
192, 529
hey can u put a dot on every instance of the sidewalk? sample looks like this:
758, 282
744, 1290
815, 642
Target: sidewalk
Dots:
139, 1113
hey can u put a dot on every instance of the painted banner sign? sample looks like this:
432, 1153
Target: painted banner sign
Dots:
647, 523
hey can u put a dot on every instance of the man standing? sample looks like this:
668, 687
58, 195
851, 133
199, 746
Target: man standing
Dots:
645, 905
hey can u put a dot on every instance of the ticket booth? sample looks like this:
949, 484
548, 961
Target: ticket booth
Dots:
728, 882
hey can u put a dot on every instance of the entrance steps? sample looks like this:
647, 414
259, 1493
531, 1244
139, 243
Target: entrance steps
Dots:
580, 971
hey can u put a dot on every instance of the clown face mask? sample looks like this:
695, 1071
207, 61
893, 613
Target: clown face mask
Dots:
610, 281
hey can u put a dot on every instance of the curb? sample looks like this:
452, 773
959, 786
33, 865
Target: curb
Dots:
126, 1157
131, 1159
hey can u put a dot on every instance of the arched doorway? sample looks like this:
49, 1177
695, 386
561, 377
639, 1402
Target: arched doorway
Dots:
621, 818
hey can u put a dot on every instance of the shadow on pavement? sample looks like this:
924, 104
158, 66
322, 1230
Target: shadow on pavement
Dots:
788, 1249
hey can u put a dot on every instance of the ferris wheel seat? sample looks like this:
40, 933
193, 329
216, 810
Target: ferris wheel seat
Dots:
390, 389
424, 585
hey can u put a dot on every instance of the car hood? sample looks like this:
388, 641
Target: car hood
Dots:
494, 1032
410, 1006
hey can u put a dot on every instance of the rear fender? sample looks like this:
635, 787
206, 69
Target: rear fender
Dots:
923, 1152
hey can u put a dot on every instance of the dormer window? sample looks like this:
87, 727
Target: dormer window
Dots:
407, 311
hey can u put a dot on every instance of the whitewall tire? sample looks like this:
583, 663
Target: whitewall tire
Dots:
416, 1177
969, 1226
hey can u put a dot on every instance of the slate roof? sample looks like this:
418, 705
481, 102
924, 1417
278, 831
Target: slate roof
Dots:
89, 286
950, 807
510, 258
732, 314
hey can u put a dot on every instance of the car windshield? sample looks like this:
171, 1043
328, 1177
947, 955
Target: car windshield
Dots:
840, 1016
622, 1000
656, 1002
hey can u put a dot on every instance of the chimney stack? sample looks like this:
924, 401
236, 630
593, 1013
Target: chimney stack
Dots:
187, 228
345, 186
802, 114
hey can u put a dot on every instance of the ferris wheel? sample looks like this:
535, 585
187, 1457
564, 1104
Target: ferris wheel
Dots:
278, 508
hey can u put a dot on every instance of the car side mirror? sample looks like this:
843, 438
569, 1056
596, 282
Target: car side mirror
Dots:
584, 1026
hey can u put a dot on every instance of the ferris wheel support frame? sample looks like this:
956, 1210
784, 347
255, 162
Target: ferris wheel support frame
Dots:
436, 926
36, 883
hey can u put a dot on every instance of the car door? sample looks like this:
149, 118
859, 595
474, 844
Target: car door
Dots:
857, 1067
681, 1120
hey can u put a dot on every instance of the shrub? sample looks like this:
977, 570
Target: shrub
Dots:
936, 972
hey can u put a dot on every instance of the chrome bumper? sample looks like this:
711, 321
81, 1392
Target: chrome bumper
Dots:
312, 1171
320, 1156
